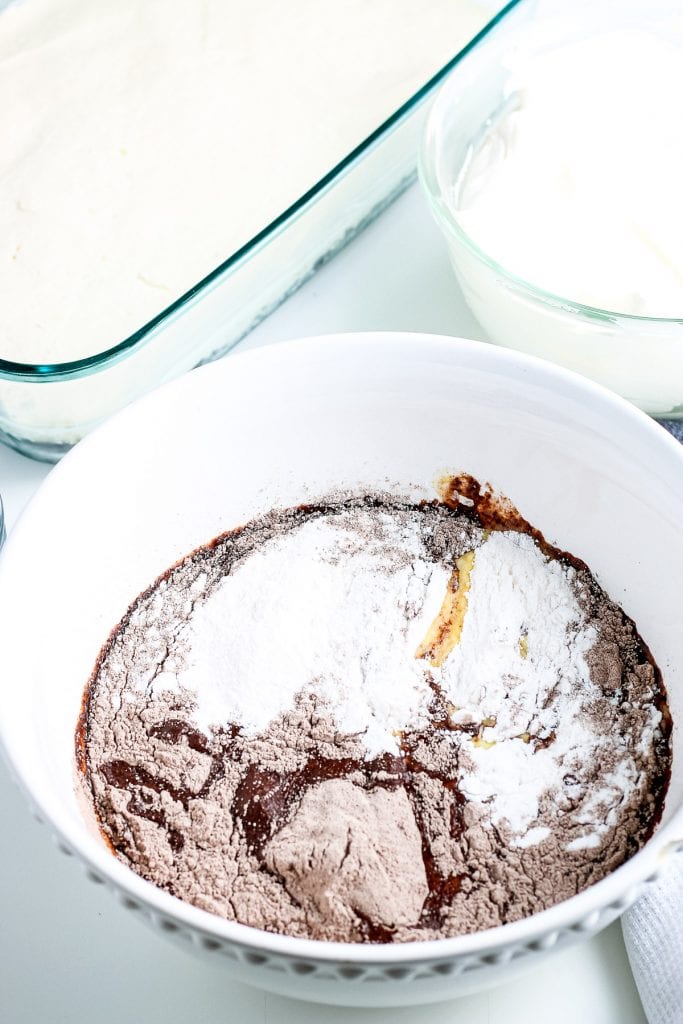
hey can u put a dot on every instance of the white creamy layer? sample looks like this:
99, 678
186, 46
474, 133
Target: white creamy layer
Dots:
143, 143
576, 187
327, 610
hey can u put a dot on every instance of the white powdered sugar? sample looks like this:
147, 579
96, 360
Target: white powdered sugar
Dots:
521, 664
316, 608
523, 636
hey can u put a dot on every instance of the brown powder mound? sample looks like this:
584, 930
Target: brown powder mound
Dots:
350, 854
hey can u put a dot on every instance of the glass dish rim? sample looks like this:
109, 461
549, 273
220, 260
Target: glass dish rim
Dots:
443, 214
78, 368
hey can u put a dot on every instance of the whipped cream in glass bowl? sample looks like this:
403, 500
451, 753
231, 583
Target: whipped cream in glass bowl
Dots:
550, 160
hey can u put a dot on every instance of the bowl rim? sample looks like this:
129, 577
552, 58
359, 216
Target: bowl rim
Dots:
614, 888
444, 215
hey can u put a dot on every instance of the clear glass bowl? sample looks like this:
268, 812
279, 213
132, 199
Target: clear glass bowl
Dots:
639, 357
44, 410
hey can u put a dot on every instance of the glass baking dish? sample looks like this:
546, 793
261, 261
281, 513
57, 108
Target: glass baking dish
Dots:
45, 409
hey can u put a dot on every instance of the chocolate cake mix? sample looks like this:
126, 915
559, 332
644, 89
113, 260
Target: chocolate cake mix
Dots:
375, 720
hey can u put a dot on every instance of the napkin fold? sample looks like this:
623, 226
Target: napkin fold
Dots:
653, 933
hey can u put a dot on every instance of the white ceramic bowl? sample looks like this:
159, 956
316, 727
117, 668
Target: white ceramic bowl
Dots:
273, 427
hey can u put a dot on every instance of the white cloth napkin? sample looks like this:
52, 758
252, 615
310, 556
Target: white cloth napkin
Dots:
653, 933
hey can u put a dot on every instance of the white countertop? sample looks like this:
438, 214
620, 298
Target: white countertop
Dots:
69, 954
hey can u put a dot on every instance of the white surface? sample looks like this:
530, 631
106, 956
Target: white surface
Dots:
86, 953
